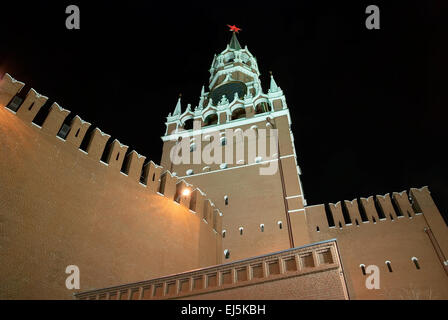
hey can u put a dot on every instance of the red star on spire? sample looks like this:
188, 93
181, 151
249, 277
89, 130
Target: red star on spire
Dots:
234, 28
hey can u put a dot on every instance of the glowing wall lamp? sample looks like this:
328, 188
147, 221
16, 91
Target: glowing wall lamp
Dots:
186, 192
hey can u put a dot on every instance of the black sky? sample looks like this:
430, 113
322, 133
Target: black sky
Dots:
368, 106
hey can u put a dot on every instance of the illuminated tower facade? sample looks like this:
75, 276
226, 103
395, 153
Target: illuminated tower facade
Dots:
258, 191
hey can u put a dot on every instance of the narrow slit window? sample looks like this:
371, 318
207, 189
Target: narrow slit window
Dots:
227, 254
317, 228
77, 132
31, 106
262, 227
363, 269
226, 200
241, 231
118, 156
153, 176
223, 233
389, 267
417, 265
280, 225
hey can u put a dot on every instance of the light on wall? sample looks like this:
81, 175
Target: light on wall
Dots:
186, 192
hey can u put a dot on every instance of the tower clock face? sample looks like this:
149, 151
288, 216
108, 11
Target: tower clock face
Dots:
228, 89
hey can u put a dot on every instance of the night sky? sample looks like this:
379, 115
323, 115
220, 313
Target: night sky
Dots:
368, 106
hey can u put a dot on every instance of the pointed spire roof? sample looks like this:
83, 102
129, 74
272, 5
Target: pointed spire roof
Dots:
234, 44
178, 109
273, 87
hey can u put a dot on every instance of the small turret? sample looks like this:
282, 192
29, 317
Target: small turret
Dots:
178, 109
273, 87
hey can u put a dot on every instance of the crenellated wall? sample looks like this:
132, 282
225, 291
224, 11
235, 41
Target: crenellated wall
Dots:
374, 230
70, 195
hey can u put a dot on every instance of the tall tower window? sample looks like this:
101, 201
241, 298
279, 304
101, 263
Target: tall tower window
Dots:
262, 107
227, 253
238, 114
211, 120
226, 200
188, 124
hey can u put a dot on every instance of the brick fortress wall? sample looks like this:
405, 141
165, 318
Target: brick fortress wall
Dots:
61, 205
374, 230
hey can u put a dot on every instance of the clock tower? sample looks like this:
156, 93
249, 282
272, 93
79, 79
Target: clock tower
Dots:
238, 148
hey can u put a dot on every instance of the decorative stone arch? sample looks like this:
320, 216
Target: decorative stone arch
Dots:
211, 119
229, 57
210, 112
238, 113
262, 105
187, 121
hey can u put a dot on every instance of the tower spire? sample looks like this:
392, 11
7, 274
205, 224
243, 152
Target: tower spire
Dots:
178, 109
273, 87
234, 43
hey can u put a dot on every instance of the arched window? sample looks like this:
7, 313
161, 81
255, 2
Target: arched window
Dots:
226, 200
211, 119
192, 147
262, 227
227, 254
317, 229
262, 107
188, 124
241, 231
280, 224
238, 113
223, 233
389, 267
363, 269
415, 260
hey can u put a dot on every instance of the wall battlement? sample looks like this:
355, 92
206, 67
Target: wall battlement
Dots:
100, 147
391, 230
74, 195
360, 211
